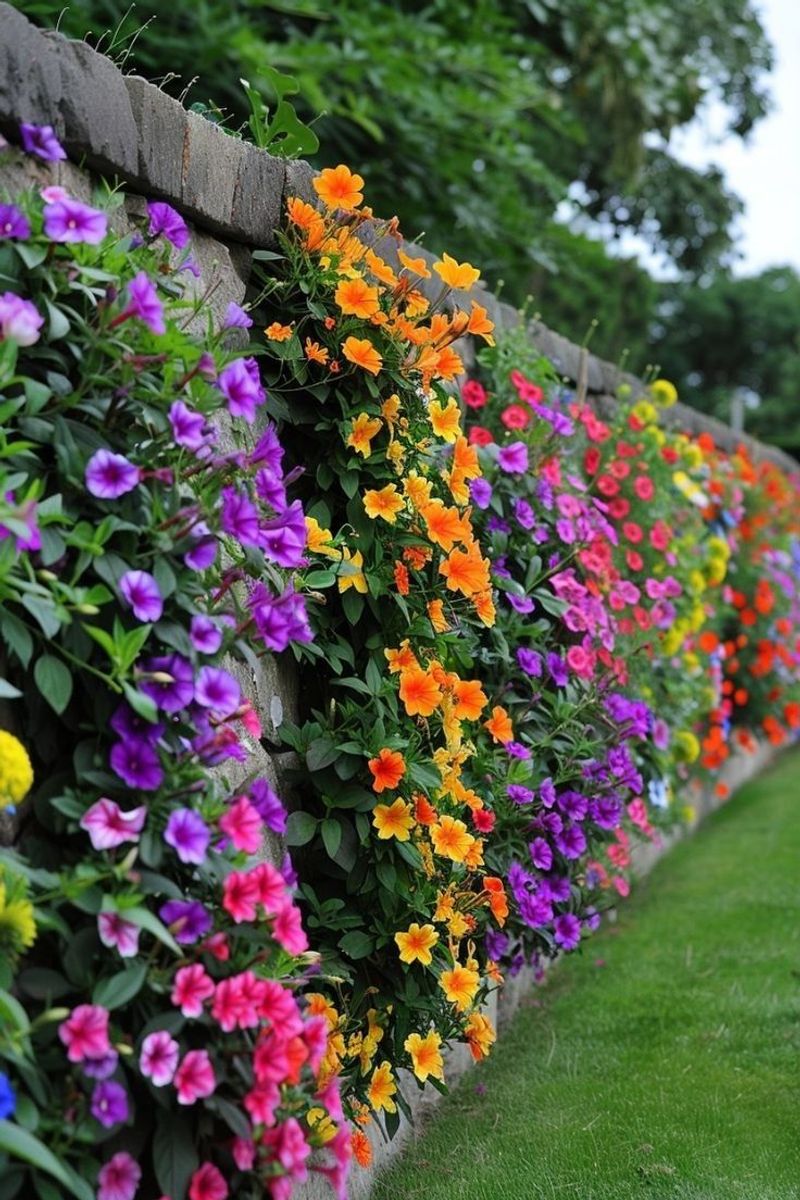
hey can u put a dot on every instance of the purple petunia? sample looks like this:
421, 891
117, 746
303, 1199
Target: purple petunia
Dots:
480, 491
547, 793
240, 385
137, 764
215, 689
109, 476
187, 920
521, 604
20, 320
283, 539
169, 681
190, 429
541, 854
100, 1068
128, 724
239, 517
496, 944
513, 459
144, 304
520, 794
567, 931
517, 750
165, 220
109, 1103
279, 619
236, 317
524, 514
14, 223
205, 634
530, 662
268, 806
42, 141
204, 551
571, 841
188, 835
557, 888
558, 669
72, 221
141, 591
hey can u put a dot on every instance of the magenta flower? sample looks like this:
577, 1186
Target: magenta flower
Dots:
567, 931
169, 680
239, 517
165, 220
14, 223
241, 387
204, 551
188, 920
144, 304
118, 934
41, 141
283, 539
194, 1078
119, 1178
189, 428
141, 592
108, 826
217, 690
137, 764
287, 929
208, 1183
71, 221
236, 317
20, 321
85, 1033
243, 825
109, 476
188, 835
158, 1058
205, 635
53, 194
109, 1103
191, 987
513, 459
26, 513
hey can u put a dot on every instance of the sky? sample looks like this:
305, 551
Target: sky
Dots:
764, 170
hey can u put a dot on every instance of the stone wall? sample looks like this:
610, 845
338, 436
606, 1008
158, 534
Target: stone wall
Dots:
124, 129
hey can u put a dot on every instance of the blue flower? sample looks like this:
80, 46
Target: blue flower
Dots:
8, 1099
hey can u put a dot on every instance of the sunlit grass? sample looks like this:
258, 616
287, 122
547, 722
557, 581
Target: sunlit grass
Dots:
665, 1061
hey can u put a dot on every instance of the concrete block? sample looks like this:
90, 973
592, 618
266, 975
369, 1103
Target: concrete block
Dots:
257, 203
211, 162
30, 74
161, 125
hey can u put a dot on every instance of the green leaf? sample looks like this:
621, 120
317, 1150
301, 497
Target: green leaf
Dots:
357, 944
120, 988
21, 1144
45, 614
57, 323
300, 828
174, 1156
142, 705
17, 636
331, 832
54, 681
13, 1014
321, 753
147, 920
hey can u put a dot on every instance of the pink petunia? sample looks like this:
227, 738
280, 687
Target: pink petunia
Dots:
195, 1078
272, 891
108, 826
287, 928
158, 1059
240, 896
191, 986
244, 1153
118, 934
119, 1178
243, 826
85, 1033
207, 1183
287, 1144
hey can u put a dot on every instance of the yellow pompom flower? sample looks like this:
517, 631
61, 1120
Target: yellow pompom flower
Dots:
663, 392
693, 456
16, 772
686, 745
645, 412
17, 923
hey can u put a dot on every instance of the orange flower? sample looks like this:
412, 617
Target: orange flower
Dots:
417, 266
385, 502
424, 811
417, 489
480, 1035
448, 365
277, 332
497, 898
394, 820
470, 699
382, 1088
465, 459
416, 943
499, 725
445, 526
466, 571
479, 324
451, 839
456, 275
460, 986
362, 431
356, 298
380, 269
316, 353
446, 420
361, 353
419, 692
338, 187
437, 618
359, 1142
485, 609
401, 580
401, 660
387, 769
426, 1058
306, 217
417, 556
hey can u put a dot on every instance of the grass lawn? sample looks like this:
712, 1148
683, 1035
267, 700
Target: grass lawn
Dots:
663, 1062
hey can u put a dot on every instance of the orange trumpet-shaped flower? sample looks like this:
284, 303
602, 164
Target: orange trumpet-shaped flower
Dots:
416, 943
499, 725
417, 266
339, 187
456, 275
466, 571
445, 526
356, 298
426, 1057
385, 502
387, 768
451, 839
394, 820
382, 1088
445, 420
470, 699
362, 431
419, 692
479, 324
480, 1035
401, 660
459, 986
436, 615
361, 353
497, 898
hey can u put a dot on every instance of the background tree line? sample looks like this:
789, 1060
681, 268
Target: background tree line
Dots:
476, 120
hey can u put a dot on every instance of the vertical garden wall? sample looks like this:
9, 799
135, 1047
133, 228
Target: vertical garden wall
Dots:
298, 515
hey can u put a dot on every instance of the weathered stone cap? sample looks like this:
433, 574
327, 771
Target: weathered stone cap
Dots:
122, 125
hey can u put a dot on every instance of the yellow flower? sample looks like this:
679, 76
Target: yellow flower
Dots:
426, 1057
390, 409
318, 540
385, 502
394, 820
686, 746
446, 420
318, 1005
381, 1089
416, 943
456, 275
451, 839
350, 574
417, 489
460, 986
645, 412
17, 924
322, 1124
16, 772
362, 431
480, 1035
663, 392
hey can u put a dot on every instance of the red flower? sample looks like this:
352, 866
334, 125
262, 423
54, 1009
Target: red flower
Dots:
473, 394
478, 436
515, 416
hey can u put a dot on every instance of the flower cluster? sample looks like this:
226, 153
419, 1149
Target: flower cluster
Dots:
146, 559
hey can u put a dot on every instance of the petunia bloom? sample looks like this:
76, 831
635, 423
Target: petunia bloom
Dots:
187, 920
158, 1058
141, 591
243, 826
85, 1033
108, 826
119, 934
14, 223
191, 987
513, 459
164, 219
240, 384
218, 691
194, 1078
119, 1178
109, 476
208, 1183
109, 1103
72, 221
188, 835
41, 141
144, 304
137, 764
20, 321
236, 317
